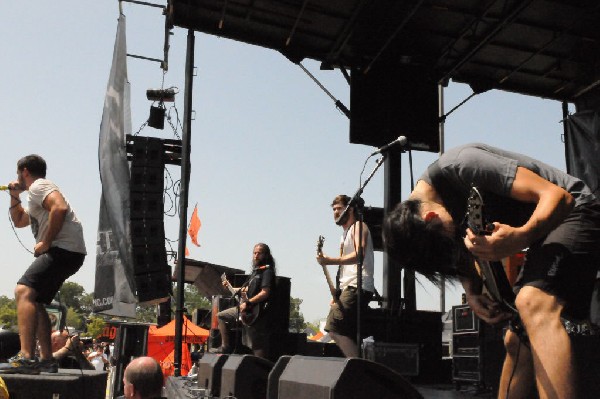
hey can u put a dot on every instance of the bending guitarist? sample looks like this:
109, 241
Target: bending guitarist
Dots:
341, 321
257, 292
532, 205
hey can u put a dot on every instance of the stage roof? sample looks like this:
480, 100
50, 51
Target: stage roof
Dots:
543, 48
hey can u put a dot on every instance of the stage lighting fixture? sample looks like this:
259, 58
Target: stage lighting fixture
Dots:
162, 95
157, 116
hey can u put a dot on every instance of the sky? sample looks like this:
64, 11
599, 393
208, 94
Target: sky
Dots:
269, 150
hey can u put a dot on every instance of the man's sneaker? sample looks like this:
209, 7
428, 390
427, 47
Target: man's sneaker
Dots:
20, 365
48, 366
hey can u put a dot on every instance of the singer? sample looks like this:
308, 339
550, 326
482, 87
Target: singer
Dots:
256, 294
342, 319
59, 253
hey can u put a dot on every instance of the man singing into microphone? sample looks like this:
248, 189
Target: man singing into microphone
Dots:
342, 319
256, 296
59, 253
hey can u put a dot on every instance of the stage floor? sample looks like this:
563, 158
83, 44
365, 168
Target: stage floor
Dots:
450, 392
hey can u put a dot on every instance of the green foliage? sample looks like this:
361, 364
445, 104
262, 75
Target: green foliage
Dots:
71, 294
297, 323
8, 312
95, 326
74, 319
146, 314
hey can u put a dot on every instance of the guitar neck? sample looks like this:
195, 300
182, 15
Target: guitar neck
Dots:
329, 282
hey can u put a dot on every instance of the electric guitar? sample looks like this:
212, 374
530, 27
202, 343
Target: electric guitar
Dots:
334, 293
251, 312
493, 274
495, 280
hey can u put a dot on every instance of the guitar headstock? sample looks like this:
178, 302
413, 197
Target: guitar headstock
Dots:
320, 242
475, 214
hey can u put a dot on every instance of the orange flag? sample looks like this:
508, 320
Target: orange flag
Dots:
194, 226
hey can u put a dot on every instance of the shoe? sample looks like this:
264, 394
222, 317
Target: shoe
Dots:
224, 350
48, 366
20, 365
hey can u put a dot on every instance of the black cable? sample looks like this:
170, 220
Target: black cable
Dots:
17, 235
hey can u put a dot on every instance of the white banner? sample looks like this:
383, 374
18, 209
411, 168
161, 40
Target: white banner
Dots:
113, 291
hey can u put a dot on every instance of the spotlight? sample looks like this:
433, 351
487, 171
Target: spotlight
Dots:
157, 116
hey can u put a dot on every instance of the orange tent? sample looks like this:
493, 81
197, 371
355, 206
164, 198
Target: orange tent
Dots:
161, 344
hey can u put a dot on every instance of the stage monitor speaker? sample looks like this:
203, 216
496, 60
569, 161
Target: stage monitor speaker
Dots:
9, 344
66, 384
394, 100
274, 375
335, 378
209, 373
245, 377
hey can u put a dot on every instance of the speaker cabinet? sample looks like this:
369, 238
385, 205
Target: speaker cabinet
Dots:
245, 377
394, 100
66, 384
209, 373
335, 378
153, 287
478, 350
131, 342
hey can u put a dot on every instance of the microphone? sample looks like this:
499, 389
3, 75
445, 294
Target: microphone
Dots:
8, 187
401, 140
262, 267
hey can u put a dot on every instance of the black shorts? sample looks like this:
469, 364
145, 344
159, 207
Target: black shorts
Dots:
565, 262
49, 271
342, 319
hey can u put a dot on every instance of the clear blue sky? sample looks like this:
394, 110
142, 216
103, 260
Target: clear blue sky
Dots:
269, 149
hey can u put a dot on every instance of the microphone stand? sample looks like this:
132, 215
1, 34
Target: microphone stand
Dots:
358, 206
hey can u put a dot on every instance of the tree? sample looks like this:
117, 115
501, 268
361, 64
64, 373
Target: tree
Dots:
8, 312
95, 326
75, 319
297, 323
71, 294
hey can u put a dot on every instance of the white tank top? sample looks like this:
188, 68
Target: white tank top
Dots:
348, 273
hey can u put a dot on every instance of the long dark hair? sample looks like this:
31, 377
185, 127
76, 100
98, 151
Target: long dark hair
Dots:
269, 260
422, 246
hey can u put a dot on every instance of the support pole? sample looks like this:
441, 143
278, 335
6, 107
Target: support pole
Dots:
441, 138
183, 199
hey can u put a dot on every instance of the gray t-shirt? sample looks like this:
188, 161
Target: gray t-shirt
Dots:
493, 171
70, 236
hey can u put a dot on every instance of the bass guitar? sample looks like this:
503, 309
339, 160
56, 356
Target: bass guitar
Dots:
251, 312
334, 293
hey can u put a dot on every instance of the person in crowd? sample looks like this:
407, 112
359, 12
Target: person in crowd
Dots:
143, 379
68, 351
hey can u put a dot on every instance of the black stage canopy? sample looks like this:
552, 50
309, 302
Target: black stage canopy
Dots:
544, 48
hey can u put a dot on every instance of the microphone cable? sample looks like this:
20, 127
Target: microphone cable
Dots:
16, 234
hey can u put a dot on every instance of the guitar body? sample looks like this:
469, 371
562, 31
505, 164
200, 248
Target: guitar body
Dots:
251, 312
494, 277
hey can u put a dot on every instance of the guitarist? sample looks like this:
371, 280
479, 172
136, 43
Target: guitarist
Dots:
256, 292
342, 319
531, 205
